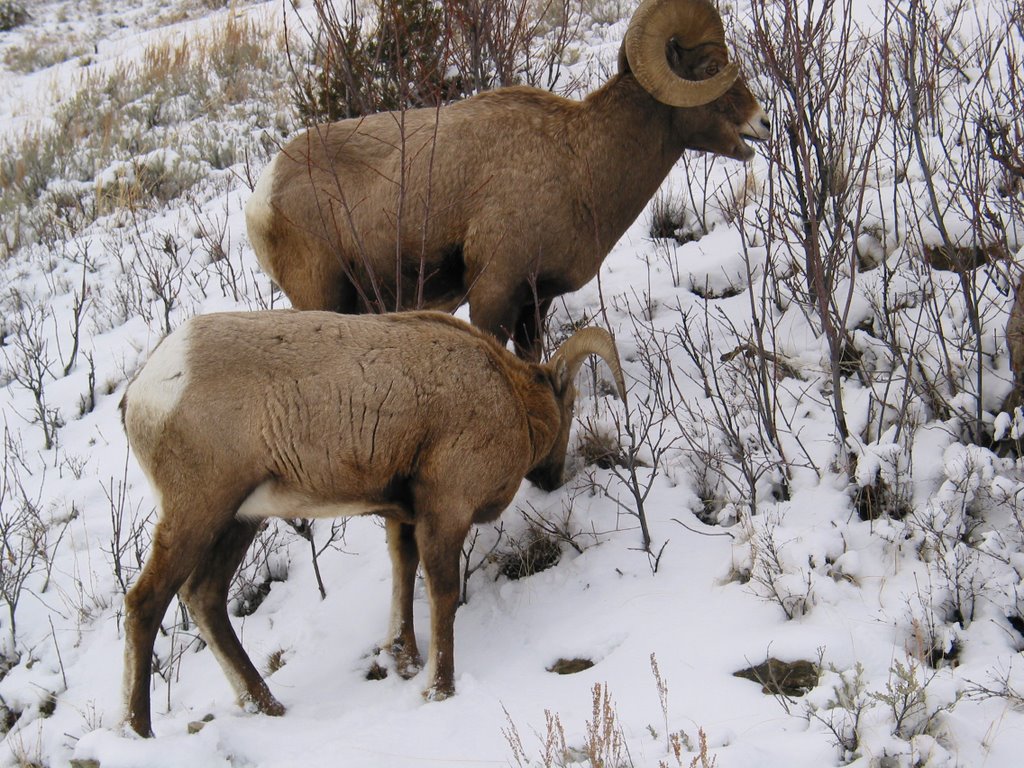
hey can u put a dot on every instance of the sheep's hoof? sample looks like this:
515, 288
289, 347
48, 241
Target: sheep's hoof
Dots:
407, 662
438, 692
274, 708
140, 727
409, 668
264, 704
408, 665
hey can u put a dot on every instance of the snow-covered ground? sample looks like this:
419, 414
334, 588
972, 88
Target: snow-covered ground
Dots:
891, 561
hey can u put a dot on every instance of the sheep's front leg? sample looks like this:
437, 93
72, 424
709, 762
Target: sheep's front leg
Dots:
492, 308
405, 558
510, 311
529, 332
440, 548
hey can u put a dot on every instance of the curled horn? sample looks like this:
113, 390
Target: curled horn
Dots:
586, 342
691, 23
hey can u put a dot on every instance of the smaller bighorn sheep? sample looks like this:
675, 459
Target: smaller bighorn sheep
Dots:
506, 200
417, 417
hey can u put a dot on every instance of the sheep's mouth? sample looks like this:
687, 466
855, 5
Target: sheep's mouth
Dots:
744, 150
741, 149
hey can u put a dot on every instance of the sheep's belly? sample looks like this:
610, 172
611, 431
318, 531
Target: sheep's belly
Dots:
269, 499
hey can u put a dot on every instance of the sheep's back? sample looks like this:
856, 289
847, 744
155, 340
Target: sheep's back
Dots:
346, 403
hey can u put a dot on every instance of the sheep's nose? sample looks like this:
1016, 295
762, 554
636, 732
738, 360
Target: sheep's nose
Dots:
758, 127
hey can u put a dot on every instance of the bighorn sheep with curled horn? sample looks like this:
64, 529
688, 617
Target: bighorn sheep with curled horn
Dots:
507, 199
417, 417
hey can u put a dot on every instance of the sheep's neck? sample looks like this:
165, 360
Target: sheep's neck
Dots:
625, 140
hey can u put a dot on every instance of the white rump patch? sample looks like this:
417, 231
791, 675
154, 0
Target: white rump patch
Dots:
258, 211
269, 499
158, 388
259, 202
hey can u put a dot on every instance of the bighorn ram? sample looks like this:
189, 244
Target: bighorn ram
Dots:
417, 417
507, 199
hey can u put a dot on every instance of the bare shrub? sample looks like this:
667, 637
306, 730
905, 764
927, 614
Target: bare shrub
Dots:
334, 538
265, 562
29, 363
628, 447
485, 557
1002, 683
12, 14
130, 526
161, 266
397, 63
418, 53
731, 437
774, 578
934, 55
27, 541
843, 712
911, 709
814, 59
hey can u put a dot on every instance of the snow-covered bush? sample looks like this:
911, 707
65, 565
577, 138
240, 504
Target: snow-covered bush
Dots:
814, 463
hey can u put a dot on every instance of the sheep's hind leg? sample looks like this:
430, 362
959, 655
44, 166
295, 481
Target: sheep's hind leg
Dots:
175, 552
440, 550
315, 277
206, 594
405, 558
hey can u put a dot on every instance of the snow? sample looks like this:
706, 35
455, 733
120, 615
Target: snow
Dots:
758, 548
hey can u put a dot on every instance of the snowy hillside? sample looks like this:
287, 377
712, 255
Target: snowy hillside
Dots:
815, 439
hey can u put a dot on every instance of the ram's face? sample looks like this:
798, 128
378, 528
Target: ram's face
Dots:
676, 50
549, 473
722, 126
559, 397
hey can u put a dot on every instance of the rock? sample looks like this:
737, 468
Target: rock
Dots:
785, 678
570, 666
197, 725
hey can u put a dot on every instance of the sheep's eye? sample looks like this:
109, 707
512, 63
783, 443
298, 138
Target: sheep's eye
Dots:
712, 69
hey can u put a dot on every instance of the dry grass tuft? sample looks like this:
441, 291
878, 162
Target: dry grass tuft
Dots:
105, 151
536, 551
